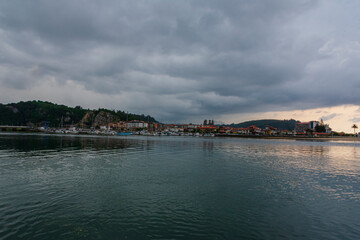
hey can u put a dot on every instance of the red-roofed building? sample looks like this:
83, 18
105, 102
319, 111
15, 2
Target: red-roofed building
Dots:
208, 128
226, 130
286, 132
254, 130
269, 130
322, 134
243, 131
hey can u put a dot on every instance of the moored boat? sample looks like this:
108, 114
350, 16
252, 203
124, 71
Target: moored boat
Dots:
124, 133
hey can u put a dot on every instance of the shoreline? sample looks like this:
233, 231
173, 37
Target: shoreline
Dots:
296, 138
330, 138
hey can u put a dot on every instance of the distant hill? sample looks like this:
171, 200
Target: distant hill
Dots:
35, 113
279, 124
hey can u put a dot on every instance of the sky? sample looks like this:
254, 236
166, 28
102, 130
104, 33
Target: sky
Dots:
186, 61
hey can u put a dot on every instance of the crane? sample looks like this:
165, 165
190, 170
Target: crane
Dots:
46, 122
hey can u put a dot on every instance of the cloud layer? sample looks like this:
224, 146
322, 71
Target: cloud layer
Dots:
181, 60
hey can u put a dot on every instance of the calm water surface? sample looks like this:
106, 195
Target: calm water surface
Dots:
73, 187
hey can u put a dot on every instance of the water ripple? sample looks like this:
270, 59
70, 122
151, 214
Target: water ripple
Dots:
177, 188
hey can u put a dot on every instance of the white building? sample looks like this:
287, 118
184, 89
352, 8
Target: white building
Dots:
136, 124
327, 128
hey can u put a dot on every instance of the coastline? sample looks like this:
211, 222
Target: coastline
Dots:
310, 138
296, 138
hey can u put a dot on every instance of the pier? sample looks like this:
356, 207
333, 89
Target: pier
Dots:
14, 128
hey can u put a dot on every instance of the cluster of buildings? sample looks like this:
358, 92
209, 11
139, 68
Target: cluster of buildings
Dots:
207, 128
311, 127
130, 125
136, 125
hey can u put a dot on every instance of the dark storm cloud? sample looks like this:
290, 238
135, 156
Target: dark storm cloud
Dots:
186, 58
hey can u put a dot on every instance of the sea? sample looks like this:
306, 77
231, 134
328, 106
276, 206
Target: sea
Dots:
172, 187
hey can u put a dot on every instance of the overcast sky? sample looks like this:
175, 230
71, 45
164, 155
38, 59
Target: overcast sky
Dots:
183, 60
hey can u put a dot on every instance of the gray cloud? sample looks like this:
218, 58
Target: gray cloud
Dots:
328, 117
357, 120
186, 59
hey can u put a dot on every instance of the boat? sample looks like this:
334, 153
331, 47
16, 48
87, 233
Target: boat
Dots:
124, 134
209, 135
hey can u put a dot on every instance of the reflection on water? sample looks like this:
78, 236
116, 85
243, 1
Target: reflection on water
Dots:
27, 143
77, 187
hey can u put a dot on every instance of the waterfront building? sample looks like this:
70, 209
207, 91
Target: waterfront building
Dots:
227, 130
104, 128
243, 131
152, 126
117, 125
327, 128
136, 124
304, 126
269, 130
254, 130
208, 128
286, 133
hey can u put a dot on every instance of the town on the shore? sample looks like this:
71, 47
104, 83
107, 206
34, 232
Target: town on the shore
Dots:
47, 117
208, 129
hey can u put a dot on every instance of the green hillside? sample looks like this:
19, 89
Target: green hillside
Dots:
279, 124
35, 113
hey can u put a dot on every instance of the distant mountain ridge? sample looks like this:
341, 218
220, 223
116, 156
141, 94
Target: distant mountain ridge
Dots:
35, 113
279, 124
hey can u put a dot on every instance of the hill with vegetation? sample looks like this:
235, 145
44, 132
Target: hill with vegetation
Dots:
35, 113
279, 124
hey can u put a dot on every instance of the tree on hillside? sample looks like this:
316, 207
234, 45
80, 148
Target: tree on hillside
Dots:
34, 113
354, 126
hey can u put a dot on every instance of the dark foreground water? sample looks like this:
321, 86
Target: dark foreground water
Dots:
64, 187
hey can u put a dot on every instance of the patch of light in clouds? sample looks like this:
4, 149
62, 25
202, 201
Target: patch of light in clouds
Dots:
340, 118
